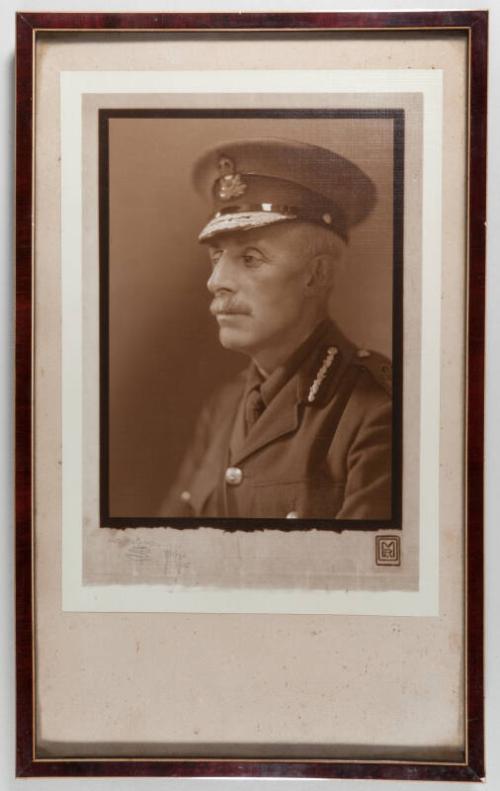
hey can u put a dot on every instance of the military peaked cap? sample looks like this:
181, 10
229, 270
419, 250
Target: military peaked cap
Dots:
256, 182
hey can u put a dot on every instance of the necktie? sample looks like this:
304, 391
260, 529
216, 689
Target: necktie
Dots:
254, 407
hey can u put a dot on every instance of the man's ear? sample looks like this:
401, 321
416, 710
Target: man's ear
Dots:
320, 273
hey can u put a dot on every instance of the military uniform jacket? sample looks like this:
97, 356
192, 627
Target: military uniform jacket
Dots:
321, 449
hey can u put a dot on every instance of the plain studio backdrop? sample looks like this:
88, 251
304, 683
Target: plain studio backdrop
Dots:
165, 358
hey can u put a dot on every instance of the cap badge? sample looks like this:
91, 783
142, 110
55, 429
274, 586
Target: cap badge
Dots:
230, 184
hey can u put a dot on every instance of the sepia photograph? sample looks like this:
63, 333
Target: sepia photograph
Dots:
251, 272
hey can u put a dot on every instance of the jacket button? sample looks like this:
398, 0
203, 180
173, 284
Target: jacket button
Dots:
233, 476
186, 497
292, 515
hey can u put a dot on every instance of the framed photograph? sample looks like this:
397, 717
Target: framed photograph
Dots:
250, 348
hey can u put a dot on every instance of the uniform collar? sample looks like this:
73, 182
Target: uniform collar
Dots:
274, 383
290, 389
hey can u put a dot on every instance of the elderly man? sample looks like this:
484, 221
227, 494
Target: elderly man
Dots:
305, 431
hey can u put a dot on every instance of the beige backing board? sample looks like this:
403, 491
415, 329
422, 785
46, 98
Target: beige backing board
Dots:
243, 683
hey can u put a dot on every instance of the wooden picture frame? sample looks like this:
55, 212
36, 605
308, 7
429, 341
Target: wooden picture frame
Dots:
33, 477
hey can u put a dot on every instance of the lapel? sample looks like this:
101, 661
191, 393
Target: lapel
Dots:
281, 417
208, 474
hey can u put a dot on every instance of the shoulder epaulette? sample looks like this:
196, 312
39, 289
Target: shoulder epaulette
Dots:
377, 365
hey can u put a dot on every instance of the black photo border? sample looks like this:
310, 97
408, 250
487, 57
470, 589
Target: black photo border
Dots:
249, 524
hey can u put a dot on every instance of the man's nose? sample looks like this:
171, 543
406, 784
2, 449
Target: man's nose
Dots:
223, 275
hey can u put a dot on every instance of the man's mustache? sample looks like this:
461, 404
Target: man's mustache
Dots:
228, 305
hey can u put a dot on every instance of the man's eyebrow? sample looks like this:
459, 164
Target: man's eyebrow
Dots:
260, 248
243, 245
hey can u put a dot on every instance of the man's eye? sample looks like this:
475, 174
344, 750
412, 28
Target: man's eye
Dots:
214, 256
252, 260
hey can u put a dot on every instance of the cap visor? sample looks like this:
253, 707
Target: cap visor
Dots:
241, 221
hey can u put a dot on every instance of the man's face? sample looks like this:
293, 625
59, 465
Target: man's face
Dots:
259, 283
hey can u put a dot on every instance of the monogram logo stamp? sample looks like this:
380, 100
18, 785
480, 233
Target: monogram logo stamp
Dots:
387, 550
